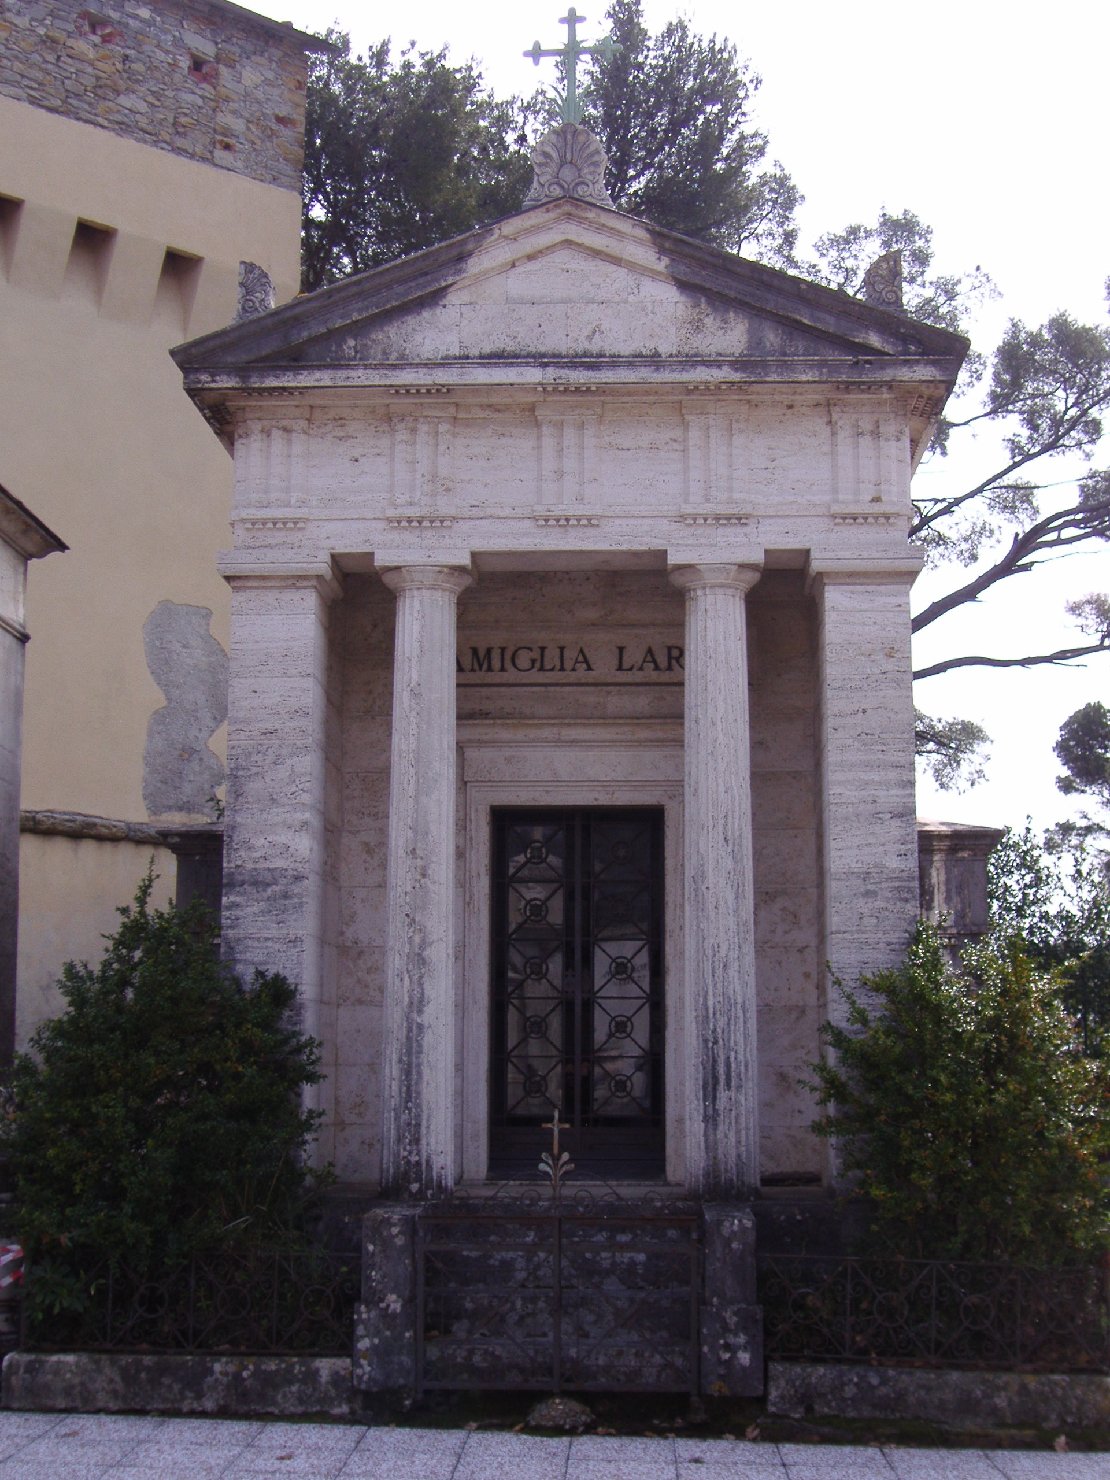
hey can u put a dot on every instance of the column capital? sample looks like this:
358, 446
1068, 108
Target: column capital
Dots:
828, 570
450, 578
243, 573
701, 577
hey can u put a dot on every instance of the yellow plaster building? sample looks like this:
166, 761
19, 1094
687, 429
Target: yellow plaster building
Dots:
146, 150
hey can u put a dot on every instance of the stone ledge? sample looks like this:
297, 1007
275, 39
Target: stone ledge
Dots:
176, 1382
85, 825
956, 1399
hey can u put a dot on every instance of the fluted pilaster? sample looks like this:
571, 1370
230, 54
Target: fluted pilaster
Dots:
418, 1016
719, 904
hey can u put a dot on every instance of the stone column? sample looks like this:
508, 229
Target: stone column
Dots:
865, 742
275, 855
719, 907
418, 1050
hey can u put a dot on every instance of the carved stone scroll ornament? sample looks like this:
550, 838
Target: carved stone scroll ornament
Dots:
256, 291
882, 282
569, 163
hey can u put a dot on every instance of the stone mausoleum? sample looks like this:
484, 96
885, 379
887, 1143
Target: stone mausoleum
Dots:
570, 728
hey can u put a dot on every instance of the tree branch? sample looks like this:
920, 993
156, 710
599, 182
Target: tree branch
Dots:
943, 507
1069, 526
1062, 656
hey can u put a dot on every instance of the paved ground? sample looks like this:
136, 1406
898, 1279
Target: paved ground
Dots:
47, 1446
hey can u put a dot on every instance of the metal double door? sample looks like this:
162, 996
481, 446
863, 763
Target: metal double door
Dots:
577, 961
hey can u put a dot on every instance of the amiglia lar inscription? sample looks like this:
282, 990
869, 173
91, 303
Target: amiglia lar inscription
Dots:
570, 658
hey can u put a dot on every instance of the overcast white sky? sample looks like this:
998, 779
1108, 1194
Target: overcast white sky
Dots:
987, 119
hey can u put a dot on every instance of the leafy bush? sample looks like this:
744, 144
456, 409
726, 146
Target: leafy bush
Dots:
966, 1114
1055, 901
160, 1114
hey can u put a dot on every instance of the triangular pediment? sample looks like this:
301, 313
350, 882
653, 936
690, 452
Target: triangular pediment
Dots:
568, 281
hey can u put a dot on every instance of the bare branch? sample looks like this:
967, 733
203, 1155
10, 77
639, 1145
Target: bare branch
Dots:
942, 508
1071, 526
1061, 657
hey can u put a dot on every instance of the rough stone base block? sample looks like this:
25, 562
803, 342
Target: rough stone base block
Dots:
385, 1322
731, 1350
956, 1399
385, 1331
731, 1321
118, 1382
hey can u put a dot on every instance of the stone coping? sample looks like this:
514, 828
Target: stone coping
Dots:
956, 1399
178, 1382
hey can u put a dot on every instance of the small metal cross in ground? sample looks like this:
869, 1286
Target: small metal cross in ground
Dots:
572, 109
553, 1163
555, 1125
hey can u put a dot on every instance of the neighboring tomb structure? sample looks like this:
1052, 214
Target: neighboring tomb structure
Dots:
23, 538
952, 867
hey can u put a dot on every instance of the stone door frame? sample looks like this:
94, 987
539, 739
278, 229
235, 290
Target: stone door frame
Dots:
539, 773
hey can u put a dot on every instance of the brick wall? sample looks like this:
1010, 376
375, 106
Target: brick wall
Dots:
200, 78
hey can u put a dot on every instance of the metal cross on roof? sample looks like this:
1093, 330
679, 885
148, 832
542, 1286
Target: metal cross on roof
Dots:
572, 109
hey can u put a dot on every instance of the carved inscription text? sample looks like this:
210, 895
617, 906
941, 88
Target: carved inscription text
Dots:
572, 659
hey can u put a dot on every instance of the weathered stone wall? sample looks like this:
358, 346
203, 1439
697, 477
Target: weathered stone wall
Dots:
363, 631
199, 78
791, 981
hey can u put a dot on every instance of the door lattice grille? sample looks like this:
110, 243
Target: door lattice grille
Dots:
577, 987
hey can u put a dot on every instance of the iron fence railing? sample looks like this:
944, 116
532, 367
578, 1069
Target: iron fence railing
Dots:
255, 1301
590, 1299
935, 1313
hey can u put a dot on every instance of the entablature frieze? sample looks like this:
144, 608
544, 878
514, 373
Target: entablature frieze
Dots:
623, 460
717, 415
608, 538
714, 521
834, 554
274, 525
867, 516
